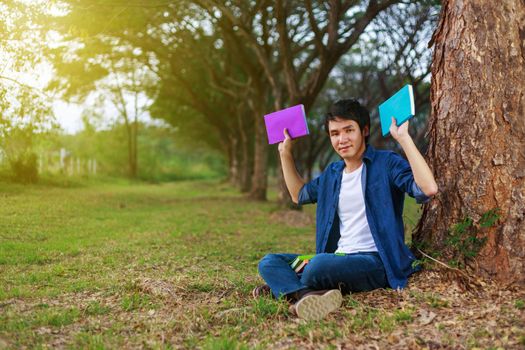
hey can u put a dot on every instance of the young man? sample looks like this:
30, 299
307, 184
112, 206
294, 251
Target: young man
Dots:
359, 216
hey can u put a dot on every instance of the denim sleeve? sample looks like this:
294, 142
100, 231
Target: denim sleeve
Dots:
308, 193
418, 194
403, 179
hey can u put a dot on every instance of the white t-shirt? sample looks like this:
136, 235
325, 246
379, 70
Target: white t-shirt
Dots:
353, 225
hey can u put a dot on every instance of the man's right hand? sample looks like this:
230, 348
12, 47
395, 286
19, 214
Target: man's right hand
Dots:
285, 147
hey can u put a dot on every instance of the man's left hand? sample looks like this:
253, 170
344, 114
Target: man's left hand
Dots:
399, 132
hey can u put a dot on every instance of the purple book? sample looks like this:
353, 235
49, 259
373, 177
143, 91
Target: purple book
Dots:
293, 119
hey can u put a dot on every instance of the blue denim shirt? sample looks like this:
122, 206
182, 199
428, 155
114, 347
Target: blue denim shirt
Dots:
386, 178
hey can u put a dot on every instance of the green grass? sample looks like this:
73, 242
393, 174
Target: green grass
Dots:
124, 264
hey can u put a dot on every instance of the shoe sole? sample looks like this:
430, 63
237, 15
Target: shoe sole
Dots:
258, 292
316, 307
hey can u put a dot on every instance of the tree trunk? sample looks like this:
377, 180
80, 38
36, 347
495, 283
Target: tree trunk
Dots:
244, 169
284, 200
477, 132
233, 158
260, 161
135, 136
129, 134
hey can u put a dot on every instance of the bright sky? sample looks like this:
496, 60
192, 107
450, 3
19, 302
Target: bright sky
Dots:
68, 116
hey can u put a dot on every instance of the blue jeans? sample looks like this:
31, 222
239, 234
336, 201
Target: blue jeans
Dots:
356, 272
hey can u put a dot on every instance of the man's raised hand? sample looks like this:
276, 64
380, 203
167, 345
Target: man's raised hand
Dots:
285, 147
399, 132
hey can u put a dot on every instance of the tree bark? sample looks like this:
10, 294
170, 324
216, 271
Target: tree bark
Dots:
260, 161
233, 162
244, 168
477, 131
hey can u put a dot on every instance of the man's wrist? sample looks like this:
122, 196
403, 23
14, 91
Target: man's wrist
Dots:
405, 140
286, 154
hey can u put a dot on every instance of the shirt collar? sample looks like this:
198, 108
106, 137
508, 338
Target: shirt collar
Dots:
369, 155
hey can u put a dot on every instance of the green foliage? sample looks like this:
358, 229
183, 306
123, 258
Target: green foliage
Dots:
364, 317
59, 318
23, 124
437, 302
404, 315
224, 343
489, 218
465, 240
43, 316
162, 156
135, 301
267, 307
84, 340
25, 168
95, 308
201, 287
418, 263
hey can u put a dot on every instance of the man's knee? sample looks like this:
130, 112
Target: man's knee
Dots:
266, 262
314, 273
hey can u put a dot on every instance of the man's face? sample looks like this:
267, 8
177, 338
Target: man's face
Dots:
347, 138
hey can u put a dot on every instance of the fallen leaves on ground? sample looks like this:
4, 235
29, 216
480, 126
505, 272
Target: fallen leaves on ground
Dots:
433, 312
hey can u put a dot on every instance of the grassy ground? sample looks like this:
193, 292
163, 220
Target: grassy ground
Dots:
172, 266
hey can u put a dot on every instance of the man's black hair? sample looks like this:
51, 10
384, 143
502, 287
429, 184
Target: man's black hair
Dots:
349, 109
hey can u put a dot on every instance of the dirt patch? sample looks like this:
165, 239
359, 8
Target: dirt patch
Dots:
156, 288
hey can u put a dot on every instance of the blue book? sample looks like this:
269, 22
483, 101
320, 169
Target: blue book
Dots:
399, 106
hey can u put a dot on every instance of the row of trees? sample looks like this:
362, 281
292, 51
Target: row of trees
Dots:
216, 67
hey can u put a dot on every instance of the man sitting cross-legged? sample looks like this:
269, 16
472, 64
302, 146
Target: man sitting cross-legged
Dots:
359, 216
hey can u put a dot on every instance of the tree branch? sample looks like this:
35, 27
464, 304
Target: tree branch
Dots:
318, 36
284, 45
333, 22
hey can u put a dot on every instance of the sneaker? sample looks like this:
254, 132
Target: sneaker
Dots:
260, 291
317, 304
